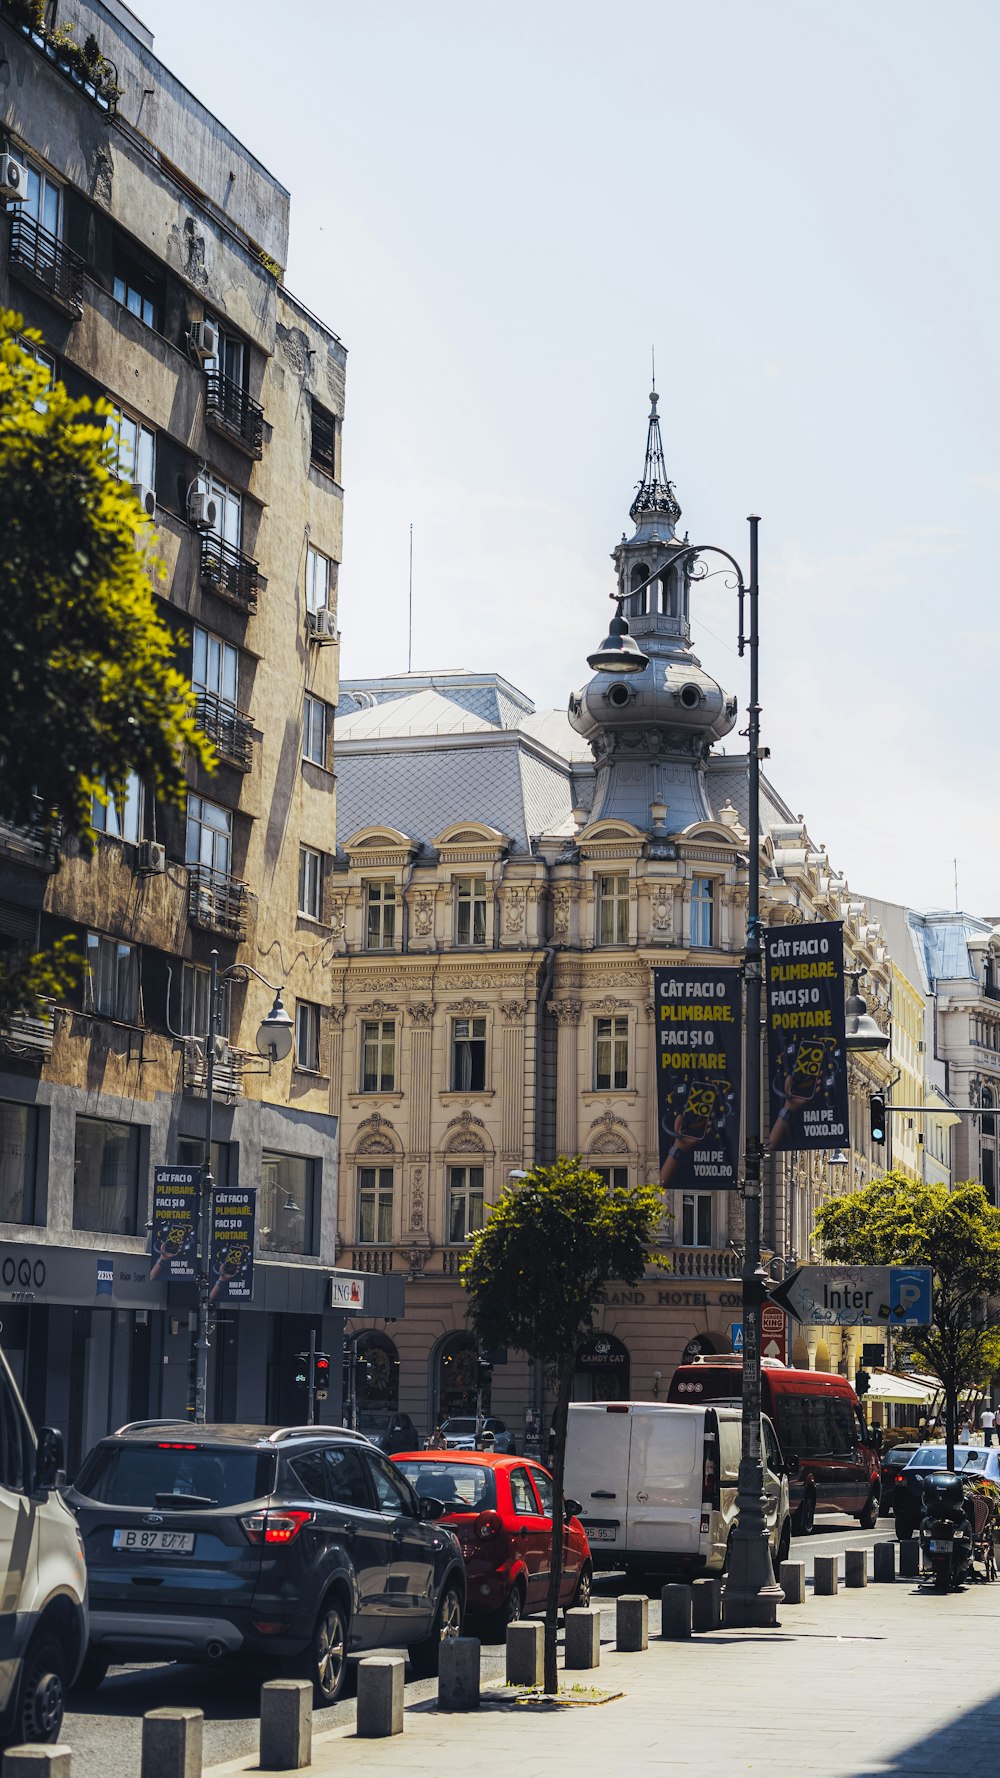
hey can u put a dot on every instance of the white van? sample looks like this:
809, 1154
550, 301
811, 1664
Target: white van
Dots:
43, 1578
657, 1484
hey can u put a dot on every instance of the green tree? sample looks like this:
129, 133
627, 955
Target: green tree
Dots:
535, 1275
88, 692
900, 1221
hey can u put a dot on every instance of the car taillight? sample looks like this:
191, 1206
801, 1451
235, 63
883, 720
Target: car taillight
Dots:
488, 1524
275, 1525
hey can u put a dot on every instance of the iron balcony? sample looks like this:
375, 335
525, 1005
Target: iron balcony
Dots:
225, 570
230, 409
41, 259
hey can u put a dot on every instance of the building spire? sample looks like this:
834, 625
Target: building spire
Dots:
655, 492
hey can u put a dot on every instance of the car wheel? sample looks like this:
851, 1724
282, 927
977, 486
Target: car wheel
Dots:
582, 1595
511, 1612
447, 1624
868, 1518
784, 1544
43, 1689
324, 1660
804, 1518
93, 1672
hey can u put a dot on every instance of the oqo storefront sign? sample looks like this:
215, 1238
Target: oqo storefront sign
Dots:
22, 1274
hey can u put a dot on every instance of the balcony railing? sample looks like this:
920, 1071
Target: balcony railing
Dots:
30, 844
229, 729
217, 901
44, 260
704, 1262
227, 571
230, 409
31, 1038
227, 1080
371, 1259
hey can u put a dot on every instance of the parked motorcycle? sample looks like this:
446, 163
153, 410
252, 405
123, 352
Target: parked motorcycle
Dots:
945, 1531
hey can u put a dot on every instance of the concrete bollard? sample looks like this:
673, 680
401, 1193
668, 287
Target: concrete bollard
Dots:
171, 1743
32, 1761
526, 1655
286, 1725
825, 1577
885, 1561
855, 1568
792, 1580
632, 1623
706, 1604
583, 1637
909, 1558
675, 1612
380, 1696
458, 1674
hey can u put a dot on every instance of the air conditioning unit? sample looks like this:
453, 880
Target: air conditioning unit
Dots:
13, 179
152, 857
205, 339
194, 1052
146, 499
203, 509
323, 625
223, 1053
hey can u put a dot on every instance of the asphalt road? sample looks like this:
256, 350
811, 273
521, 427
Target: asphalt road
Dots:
104, 1729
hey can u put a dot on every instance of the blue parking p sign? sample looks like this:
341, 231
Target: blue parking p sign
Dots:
736, 1336
910, 1296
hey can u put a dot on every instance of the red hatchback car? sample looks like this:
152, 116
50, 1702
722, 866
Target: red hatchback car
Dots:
500, 1509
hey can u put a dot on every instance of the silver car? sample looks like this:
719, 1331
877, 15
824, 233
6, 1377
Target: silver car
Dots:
459, 1434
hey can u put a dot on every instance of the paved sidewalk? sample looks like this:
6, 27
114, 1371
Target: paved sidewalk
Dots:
885, 1680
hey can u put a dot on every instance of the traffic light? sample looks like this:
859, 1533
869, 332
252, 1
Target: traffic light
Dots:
862, 1382
300, 1374
876, 1116
321, 1375
484, 1368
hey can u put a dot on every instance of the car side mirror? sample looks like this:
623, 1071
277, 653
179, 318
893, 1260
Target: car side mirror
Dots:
49, 1458
791, 1464
431, 1508
572, 1508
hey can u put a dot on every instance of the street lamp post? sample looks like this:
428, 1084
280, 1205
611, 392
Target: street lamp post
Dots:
274, 1041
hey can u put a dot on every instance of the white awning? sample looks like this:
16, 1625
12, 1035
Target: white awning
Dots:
886, 1386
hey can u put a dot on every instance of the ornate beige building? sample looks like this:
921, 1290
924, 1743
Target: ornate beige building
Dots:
507, 880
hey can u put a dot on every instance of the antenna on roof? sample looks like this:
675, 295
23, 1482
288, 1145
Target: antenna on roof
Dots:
652, 359
409, 636
955, 863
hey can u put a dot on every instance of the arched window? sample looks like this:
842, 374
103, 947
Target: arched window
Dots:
639, 574
603, 1370
377, 1374
455, 1382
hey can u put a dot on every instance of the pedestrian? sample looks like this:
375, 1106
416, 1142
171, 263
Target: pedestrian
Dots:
966, 1433
987, 1421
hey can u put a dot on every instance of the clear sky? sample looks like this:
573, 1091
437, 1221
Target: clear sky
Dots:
501, 209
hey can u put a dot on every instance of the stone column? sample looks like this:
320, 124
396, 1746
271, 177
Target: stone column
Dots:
336, 1057
568, 1014
421, 1020
512, 1083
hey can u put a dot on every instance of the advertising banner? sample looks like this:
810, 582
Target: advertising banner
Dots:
806, 1048
174, 1235
699, 1058
234, 1216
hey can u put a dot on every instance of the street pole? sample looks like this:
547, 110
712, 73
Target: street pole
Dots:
205, 1207
751, 1596
311, 1410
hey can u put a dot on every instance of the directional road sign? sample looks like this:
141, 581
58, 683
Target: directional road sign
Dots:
857, 1296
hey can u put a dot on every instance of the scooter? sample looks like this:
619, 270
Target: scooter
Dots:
945, 1531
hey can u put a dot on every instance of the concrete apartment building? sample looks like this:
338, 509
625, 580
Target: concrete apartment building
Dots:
148, 252
506, 880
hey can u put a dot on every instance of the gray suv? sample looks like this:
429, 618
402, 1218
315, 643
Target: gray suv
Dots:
292, 1546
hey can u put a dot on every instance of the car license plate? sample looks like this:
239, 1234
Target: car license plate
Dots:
178, 1542
601, 1533
941, 1546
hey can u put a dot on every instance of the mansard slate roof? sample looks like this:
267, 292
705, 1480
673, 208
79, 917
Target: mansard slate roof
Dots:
420, 751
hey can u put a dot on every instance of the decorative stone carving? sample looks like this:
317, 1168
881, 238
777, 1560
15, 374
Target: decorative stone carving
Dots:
562, 897
378, 1009
649, 1008
566, 1012
608, 1005
417, 1199
609, 1145
513, 914
466, 1118
421, 1012
423, 913
464, 1140
512, 1011
376, 1143
661, 908
466, 1008
416, 1259
608, 1119
376, 1122
338, 915
337, 1014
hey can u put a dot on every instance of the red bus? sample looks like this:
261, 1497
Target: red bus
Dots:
818, 1419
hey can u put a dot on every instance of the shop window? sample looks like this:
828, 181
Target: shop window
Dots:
18, 1161
286, 1211
105, 1176
456, 1378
